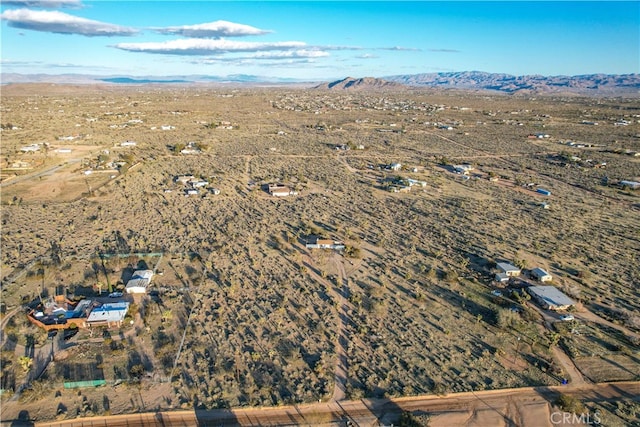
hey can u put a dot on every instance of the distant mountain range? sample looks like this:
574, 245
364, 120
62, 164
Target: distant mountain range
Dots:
364, 83
590, 84
91, 79
604, 84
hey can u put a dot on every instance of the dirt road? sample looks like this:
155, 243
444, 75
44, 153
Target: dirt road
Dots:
341, 373
510, 407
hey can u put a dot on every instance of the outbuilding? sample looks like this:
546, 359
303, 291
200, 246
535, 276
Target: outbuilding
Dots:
541, 275
139, 282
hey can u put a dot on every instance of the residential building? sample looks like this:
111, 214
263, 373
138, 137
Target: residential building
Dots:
508, 269
108, 314
462, 169
279, 190
30, 148
541, 275
550, 297
315, 242
630, 184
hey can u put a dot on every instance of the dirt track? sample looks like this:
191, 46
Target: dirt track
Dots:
509, 407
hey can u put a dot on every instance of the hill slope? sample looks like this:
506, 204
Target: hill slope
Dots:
364, 83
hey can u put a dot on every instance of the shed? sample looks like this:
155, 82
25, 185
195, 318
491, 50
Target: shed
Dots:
139, 282
541, 275
501, 277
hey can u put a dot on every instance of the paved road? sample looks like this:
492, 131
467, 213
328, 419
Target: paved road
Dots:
370, 412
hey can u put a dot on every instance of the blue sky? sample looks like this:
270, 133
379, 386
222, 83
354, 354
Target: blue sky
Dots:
319, 40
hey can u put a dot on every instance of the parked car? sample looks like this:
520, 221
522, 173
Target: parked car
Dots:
115, 294
567, 317
496, 293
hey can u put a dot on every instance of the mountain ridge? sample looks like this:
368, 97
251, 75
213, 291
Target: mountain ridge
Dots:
534, 83
599, 84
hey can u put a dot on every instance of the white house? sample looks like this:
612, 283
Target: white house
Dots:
184, 178
279, 190
508, 269
30, 148
315, 242
395, 166
139, 282
110, 314
199, 183
541, 275
550, 297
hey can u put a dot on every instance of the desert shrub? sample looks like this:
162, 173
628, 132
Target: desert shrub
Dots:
570, 404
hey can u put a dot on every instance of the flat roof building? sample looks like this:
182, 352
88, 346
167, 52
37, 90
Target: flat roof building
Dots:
550, 297
279, 190
139, 282
110, 314
508, 269
315, 242
541, 275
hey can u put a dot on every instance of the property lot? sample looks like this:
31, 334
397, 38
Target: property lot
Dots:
240, 313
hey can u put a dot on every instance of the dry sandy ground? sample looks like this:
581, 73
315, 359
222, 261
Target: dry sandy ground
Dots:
513, 407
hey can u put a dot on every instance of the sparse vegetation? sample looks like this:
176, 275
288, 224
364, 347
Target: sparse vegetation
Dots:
243, 314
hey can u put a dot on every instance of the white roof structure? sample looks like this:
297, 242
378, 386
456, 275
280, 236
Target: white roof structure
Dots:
507, 267
541, 274
139, 282
109, 313
551, 297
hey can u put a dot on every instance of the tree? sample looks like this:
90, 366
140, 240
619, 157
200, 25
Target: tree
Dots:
136, 371
25, 362
352, 251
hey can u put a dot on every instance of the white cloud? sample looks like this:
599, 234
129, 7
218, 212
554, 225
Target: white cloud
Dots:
44, 4
214, 29
302, 53
207, 46
410, 49
62, 23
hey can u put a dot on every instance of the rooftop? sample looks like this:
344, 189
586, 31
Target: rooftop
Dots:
551, 295
109, 312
